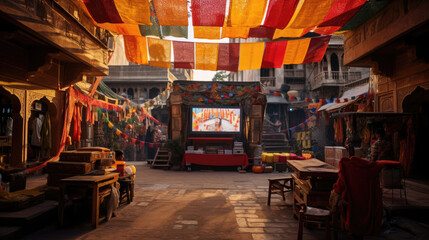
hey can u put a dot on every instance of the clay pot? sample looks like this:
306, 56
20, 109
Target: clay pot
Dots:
257, 169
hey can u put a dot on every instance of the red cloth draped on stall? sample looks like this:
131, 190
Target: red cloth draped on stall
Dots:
208, 12
359, 186
77, 120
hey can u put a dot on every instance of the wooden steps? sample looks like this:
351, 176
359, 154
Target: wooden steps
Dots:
162, 159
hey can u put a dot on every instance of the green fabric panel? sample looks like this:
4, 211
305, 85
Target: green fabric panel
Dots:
368, 10
175, 31
154, 30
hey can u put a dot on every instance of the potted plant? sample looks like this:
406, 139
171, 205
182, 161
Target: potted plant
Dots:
176, 149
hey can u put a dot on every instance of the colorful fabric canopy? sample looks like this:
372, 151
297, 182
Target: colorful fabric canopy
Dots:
251, 55
228, 57
208, 12
274, 54
135, 49
206, 56
246, 13
159, 52
171, 12
183, 54
279, 13
207, 32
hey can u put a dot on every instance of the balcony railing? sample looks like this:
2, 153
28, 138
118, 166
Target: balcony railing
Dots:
334, 78
268, 81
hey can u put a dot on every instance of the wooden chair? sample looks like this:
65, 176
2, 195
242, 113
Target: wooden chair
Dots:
279, 186
318, 216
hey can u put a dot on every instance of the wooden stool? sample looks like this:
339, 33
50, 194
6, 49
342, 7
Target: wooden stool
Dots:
279, 186
126, 190
318, 216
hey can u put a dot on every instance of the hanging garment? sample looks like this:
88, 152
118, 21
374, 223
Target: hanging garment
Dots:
46, 136
37, 127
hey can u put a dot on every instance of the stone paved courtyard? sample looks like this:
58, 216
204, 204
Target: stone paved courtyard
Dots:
196, 205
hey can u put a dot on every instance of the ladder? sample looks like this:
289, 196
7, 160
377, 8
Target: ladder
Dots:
162, 158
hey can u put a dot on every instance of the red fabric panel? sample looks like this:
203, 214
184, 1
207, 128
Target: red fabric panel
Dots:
103, 11
262, 32
229, 54
279, 13
208, 12
216, 159
359, 185
316, 49
274, 54
341, 12
183, 54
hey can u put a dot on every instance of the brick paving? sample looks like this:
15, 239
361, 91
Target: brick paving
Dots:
196, 205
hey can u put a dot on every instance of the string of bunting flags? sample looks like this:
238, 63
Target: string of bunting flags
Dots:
121, 134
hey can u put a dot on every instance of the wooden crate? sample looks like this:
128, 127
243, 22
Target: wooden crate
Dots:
69, 167
80, 156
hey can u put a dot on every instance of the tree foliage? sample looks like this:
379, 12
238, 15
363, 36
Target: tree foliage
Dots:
220, 76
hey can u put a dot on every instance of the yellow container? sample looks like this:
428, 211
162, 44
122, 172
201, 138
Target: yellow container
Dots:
264, 157
269, 158
276, 157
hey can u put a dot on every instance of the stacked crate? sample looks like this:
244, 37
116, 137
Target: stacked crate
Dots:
73, 163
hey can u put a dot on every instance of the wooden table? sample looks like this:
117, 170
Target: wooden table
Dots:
94, 182
312, 182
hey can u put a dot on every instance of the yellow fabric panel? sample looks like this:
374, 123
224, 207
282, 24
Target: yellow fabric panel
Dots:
134, 11
171, 12
290, 32
207, 32
235, 32
296, 51
310, 13
246, 13
251, 55
135, 49
206, 56
159, 53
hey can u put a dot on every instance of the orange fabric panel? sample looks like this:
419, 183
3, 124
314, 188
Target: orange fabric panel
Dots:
251, 55
134, 11
310, 13
290, 32
235, 32
206, 56
207, 32
135, 49
128, 29
246, 13
296, 51
159, 53
171, 12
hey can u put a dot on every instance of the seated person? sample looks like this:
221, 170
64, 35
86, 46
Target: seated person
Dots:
119, 155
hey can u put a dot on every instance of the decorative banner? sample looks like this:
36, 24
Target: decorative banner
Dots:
235, 32
206, 56
133, 11
296, 51
246, 13
262, 32
183, 54
279, 13
208, 12
272, 55
310, 13
171, 12
228, 57
251, 55
160, 52
316, 49
103, 11
135, 49
207, 32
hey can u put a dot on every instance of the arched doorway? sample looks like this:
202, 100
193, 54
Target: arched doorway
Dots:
153, 92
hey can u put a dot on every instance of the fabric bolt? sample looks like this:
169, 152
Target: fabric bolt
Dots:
290, 33
279, 13
310, 13
317, 49
251, 55
208, 12
274, 54
134, 11
206, 56
159, 53
341, 12
171, 12
183, 54
135, 49
228, 58
296, 51
235, 32
103, 11
207, 32
262, 32
246, 13
175, 31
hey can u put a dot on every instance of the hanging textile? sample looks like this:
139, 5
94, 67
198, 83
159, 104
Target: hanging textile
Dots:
246, 13
153, 30
251, 55
262, 32
310, 13
290, 32
77, 120
341, 12
296, 51
366, 12
279, 13
208, 12
207, 32
183, 54
135, 49
206, 56
229, 54
235, 32
134, 11
273, 57
171, 12
159, 53
103, 11
317, 49
46, 136
127, 29
175, 31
